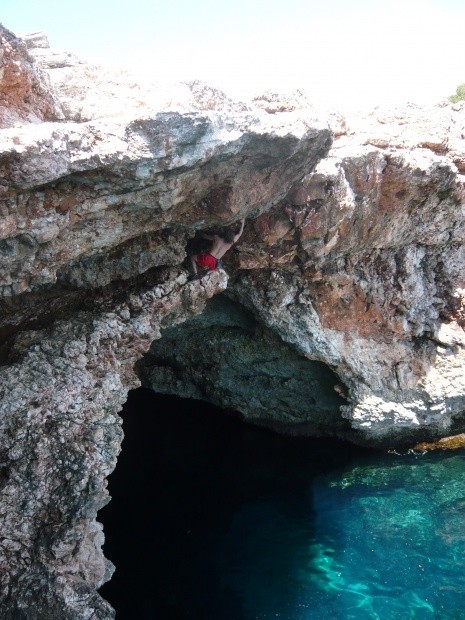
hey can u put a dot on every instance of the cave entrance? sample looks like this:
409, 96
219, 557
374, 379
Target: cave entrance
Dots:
191, 481
207, 510
226, 357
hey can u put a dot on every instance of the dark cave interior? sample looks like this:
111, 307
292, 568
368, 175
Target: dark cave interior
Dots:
186, 468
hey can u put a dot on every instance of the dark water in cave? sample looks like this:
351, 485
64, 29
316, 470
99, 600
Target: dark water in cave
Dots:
215, 520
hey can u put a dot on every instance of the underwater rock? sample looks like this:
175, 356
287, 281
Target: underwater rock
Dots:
454, 442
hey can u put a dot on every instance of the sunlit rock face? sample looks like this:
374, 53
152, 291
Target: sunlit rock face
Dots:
88, 203
96, 212
361, 266
25, 91
344, 312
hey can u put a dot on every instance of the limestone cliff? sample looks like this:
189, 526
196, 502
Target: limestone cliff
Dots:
342, 312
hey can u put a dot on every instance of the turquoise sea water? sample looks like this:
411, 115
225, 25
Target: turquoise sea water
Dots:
385, 541
215, 520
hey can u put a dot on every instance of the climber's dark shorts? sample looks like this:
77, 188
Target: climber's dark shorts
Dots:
207, 260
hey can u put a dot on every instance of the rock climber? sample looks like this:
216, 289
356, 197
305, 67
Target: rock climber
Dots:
220, 244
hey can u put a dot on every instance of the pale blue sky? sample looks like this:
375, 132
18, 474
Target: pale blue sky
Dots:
335, 50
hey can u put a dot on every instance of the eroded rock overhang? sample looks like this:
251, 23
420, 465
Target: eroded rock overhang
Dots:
226, 357
350, 269
362, 268
95, 216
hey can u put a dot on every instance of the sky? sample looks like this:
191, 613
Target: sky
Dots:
336, 51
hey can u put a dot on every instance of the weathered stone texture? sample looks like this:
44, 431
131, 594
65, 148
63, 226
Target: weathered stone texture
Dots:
349, 275
363, 273
226, 357
59, 438
25, 94
100, 187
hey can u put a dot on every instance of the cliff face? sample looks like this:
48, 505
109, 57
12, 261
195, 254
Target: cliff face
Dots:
343, 313
361, 267
25, 94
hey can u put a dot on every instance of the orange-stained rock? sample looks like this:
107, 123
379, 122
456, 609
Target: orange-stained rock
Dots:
454, 442
314, 226
348, 309
25, 94
271, 229
352, 257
